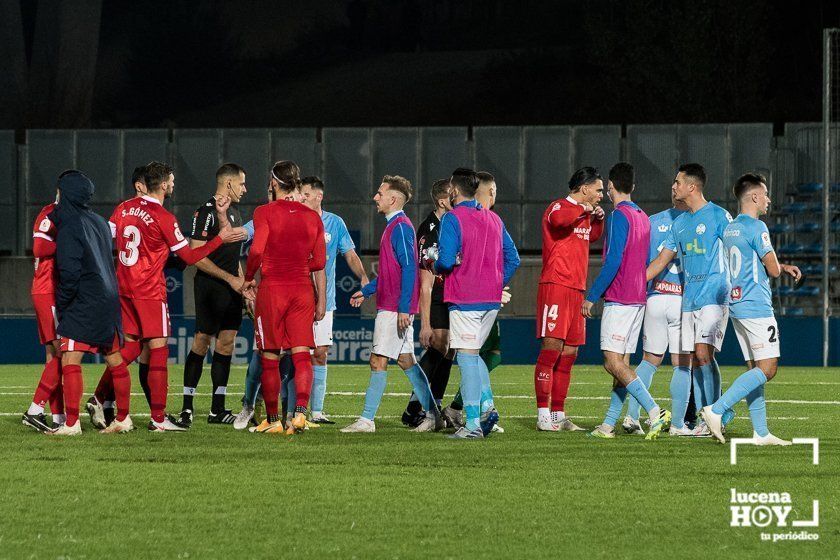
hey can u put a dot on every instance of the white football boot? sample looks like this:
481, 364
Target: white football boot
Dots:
360, 426
769, 439
117, 427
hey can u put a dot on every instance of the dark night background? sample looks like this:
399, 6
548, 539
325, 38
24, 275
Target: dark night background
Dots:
261, 63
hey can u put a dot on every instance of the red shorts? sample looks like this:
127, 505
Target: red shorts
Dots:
145, 318
558, 314
45, 316
70, 345
284, 316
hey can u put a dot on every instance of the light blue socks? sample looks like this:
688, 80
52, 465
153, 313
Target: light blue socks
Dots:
421, 386
617, 397
319, 388
253, 379
745, 384
680, 393
758, 411
373, 395
641, 394
471, 388
645, 371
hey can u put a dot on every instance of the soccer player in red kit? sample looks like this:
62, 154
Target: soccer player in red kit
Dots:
569, 225
43, 300
288, 246
145, 233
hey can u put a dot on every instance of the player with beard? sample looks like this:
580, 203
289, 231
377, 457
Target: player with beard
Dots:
218, 302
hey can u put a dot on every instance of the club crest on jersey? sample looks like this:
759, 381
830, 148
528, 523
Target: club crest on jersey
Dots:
736, 293
551, 326
701, 229
663, 228
327, 236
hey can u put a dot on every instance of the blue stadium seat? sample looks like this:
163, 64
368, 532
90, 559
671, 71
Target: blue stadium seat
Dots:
785, 291
835, 226
781, 227
814, 248
795, 208
809, 187
794, 311
791, 248
808, 227
835, 187
807, 291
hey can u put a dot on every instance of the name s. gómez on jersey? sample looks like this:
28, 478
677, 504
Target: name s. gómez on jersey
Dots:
145, 233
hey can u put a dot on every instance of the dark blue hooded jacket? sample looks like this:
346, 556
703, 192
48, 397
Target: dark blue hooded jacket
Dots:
86, 298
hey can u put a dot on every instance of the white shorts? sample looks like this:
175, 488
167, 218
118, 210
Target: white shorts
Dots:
620, 327
468, 330
389, 341
759, 338
663, 317
323, 330
704, 326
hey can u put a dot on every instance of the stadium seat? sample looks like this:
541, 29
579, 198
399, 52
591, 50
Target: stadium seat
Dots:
835, 226
794, 311
808, 227
792, 248
781, 227
809, 187
785, 291
807, 291
814, 248
794, 208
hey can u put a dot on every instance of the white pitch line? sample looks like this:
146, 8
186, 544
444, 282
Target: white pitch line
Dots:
504, 416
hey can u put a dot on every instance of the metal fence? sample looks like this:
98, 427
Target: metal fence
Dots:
532, 165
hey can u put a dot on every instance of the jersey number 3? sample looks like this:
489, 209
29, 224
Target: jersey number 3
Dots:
130, 254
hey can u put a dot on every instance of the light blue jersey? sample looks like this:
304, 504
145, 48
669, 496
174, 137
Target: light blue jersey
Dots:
338, 240
746, 241
670, 280
697, 238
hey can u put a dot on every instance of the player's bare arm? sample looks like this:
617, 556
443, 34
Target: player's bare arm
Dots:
320, 280
427, 280
775, 269
658, 264
356, 266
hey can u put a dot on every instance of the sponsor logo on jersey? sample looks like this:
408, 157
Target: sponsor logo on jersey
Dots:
736, 293
583, 232
665, 287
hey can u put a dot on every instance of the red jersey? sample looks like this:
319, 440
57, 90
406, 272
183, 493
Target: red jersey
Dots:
567, 232
43, 238
145, 232
288, 244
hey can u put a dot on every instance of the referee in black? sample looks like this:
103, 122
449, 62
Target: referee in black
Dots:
218, 303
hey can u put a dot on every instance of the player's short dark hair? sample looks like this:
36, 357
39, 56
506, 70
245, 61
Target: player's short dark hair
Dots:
287, 175
155, 174
695, 171
466, 181
229, 170
399, 184
583, 176
623, 177
137, 175
67, 172
746, 183
440, 189
314, 182
485, 177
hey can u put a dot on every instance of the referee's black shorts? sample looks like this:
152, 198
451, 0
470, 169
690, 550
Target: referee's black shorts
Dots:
439, 315
217, 306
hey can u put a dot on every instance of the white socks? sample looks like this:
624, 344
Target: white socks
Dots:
543, 415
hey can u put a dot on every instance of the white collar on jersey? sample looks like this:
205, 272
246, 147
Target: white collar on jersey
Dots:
573, 201
151, 199
390, 215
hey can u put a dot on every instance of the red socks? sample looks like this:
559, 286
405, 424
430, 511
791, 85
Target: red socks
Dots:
560, 381
158, 381
303, 377
542, 375
105, 387
73, 387
49, 385
130, 350
271, 385
122, 390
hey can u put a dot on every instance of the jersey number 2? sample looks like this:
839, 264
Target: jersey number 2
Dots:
130, 254
772, 330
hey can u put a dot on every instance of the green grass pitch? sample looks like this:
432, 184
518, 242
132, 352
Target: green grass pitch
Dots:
217, 493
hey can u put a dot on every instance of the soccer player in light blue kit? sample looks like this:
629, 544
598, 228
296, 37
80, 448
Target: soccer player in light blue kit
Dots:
751, 258
661, 330
697, 236
338, 240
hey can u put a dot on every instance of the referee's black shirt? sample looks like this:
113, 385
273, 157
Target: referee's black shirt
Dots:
205, 226
427, 237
